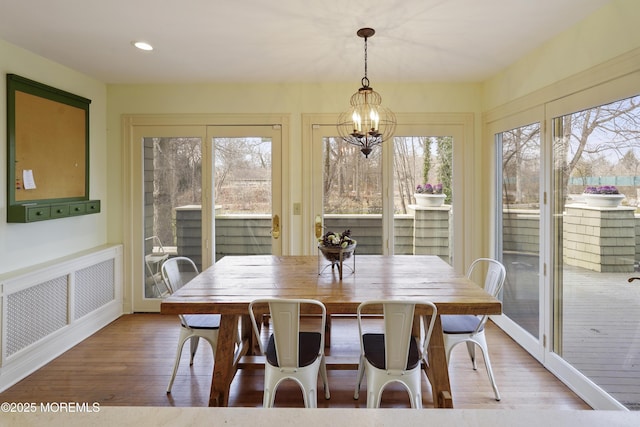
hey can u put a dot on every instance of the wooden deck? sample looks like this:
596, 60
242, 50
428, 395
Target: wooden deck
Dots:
601, 331
600, 322
128, 363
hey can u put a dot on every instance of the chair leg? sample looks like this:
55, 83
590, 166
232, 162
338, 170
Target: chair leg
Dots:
193, 343
310, 397
373, 398
416, 402
183, 337
267, 399
471, 349
269, 394
413, 384
325, 379
356, 394
487, 362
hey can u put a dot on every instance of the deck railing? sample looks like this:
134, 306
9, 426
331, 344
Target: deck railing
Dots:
598, 239
425, 231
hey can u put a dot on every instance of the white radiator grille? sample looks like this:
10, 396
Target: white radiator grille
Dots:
94, 287
35, 312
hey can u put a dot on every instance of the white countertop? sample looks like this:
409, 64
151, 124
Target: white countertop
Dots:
283, 417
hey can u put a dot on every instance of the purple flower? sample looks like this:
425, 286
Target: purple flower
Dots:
602, 189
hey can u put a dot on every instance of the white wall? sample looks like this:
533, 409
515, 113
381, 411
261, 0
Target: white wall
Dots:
608, 33
22, 245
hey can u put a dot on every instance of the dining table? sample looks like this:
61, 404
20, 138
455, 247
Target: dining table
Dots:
229, 285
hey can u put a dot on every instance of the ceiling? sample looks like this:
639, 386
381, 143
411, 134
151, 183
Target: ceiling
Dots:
198, 41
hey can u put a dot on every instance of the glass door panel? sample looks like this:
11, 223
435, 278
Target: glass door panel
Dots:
373, 196
422, 222
246, 179
518, 234
352, 193
172, 187
596, 309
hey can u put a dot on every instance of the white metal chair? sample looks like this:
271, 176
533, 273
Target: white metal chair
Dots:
176, 272
470, 329
155, 255
393, 355
291, 353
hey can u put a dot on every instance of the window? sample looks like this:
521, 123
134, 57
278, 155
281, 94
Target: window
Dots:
596, 310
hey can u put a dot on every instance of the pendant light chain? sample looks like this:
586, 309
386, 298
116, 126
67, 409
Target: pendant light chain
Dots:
366, 123
365, 64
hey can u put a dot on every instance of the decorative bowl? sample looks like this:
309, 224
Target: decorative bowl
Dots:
332, 253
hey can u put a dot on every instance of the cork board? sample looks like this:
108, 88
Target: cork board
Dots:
48, 143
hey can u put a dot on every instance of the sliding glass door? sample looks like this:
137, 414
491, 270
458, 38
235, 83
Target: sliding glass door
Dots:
375, 197
203, 192
519, 154
172, 182
596, 309
567, 231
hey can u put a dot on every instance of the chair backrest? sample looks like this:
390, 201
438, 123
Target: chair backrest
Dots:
398, 325
178, 271
153, 245
285, 317
495, 275
494, 271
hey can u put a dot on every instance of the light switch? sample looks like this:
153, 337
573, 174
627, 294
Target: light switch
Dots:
297, 209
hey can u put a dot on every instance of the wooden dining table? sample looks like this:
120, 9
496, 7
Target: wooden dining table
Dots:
232, 283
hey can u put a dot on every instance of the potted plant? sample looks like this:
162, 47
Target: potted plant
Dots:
602, 196
428, 195
336, 247
333, 244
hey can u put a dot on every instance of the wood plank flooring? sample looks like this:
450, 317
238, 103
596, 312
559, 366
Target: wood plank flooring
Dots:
128, 363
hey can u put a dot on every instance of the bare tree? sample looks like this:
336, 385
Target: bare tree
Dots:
520, 155
445, 165
188, 162
163, 189
404, 170
587, 145
426, 161
605, 132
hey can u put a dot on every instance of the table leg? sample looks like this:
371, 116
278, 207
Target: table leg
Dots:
223, 367
437, 370
247, 336
327, 332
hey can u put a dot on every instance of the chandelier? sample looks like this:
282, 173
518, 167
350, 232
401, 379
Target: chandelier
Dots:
367, 123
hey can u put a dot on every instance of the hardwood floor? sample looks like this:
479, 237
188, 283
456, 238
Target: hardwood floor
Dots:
128, 363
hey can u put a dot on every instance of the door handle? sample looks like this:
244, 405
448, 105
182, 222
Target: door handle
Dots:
318, 223
275, 227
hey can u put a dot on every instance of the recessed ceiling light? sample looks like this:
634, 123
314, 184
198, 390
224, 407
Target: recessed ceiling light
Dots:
142, 45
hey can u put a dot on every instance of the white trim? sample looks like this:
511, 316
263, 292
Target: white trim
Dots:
589, 391
27, 360
132, 125
607, 82
466, 167
527, 341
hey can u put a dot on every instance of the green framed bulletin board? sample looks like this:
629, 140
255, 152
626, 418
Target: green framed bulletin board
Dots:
48, 152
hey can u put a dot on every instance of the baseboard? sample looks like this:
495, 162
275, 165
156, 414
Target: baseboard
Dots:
31, 359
